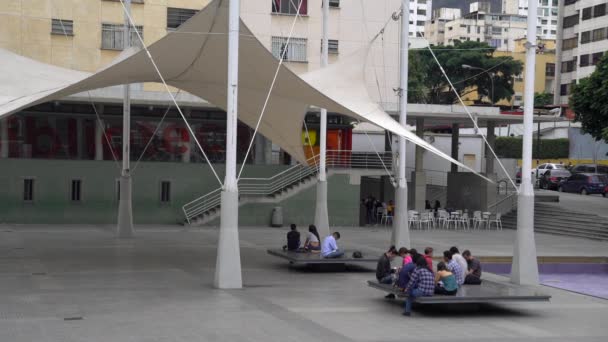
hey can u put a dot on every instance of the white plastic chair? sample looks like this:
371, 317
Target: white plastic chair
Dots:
485, 217
477, 219
412, 218
497, 221
386, 217
442, 218
454, 218
425, 218
464, 221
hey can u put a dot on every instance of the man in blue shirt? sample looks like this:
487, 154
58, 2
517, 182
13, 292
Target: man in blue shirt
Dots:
329, 247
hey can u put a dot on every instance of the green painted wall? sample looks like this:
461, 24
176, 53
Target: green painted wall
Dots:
52, 183
343, 204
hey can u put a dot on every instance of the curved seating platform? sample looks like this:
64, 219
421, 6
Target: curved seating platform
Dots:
315, 258
487, 292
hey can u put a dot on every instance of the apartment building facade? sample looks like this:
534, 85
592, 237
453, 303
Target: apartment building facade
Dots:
583, 41
547, 13
496, 29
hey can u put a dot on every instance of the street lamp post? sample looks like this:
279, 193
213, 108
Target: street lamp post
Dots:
491, 74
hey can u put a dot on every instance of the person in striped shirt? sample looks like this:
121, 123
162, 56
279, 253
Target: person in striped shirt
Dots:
422, 284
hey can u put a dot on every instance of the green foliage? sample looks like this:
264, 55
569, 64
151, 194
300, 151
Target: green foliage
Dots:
542, 99
428, 85
589, 100
510, 147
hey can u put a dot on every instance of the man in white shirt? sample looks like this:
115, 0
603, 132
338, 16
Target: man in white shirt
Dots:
329, 247
462, 262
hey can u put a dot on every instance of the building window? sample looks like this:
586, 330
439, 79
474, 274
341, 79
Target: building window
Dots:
165, 192
599, 34
497, 30
568, 66
421, 12
112, 36
76, 190
595, 58
569, 2
290, 6
496, 43
570, 43
333, 3
570, 21
587, 13
332, 46
550, 69
564, 89
586, 37
28, 189
420, 23
178, 16
584, 61
294, 51
62, 27
599, 10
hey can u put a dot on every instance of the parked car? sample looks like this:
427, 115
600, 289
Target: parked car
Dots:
542, 168
605, 191
584, 183
552, 178
590, 168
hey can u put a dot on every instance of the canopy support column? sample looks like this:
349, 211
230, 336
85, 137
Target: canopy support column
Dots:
124, 228
524, 270
4, 138
228, 263
401, 230
419, 176
321, 212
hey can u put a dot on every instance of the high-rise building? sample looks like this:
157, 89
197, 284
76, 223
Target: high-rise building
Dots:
498, 30
583, 40
435, 28
420, 12
547, 15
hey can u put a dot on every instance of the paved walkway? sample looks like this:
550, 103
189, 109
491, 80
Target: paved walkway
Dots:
592, 204
157, 287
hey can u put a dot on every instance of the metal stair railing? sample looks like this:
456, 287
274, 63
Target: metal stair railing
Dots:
202, 204
338, 159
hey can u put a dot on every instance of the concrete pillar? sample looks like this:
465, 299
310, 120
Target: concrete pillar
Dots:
99, 140
419, 176
491, 136
455, 138
4, 138
260, 150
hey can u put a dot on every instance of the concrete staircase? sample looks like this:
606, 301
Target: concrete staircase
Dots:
553, 218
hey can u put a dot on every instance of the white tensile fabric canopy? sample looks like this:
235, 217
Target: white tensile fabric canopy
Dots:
194, 58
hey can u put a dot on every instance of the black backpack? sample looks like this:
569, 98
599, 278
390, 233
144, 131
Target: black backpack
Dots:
357, 255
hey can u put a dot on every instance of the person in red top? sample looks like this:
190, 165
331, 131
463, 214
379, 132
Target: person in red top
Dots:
428, 256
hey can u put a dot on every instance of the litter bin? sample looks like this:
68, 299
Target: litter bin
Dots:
277, 217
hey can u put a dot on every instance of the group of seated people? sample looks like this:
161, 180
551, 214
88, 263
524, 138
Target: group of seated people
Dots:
416, 277
327, 249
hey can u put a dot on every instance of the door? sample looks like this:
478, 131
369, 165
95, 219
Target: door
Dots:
470, 160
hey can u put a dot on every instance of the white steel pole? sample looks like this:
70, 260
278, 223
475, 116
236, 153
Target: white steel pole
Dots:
321, 211
524, 269
228, 263
125, 210
401, 232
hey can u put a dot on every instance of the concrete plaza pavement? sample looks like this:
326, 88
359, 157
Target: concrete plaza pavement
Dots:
79, 283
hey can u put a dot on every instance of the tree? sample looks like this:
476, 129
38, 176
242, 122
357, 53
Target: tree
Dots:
542, 99
434, 87
589, 101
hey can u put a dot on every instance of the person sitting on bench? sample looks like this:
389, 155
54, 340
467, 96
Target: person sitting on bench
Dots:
453, 267
293, 239
406, 271
406, 255
329, 248
422, 284
460, 260
428, 256
385, 274
312, 243
474, 273
445, 281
